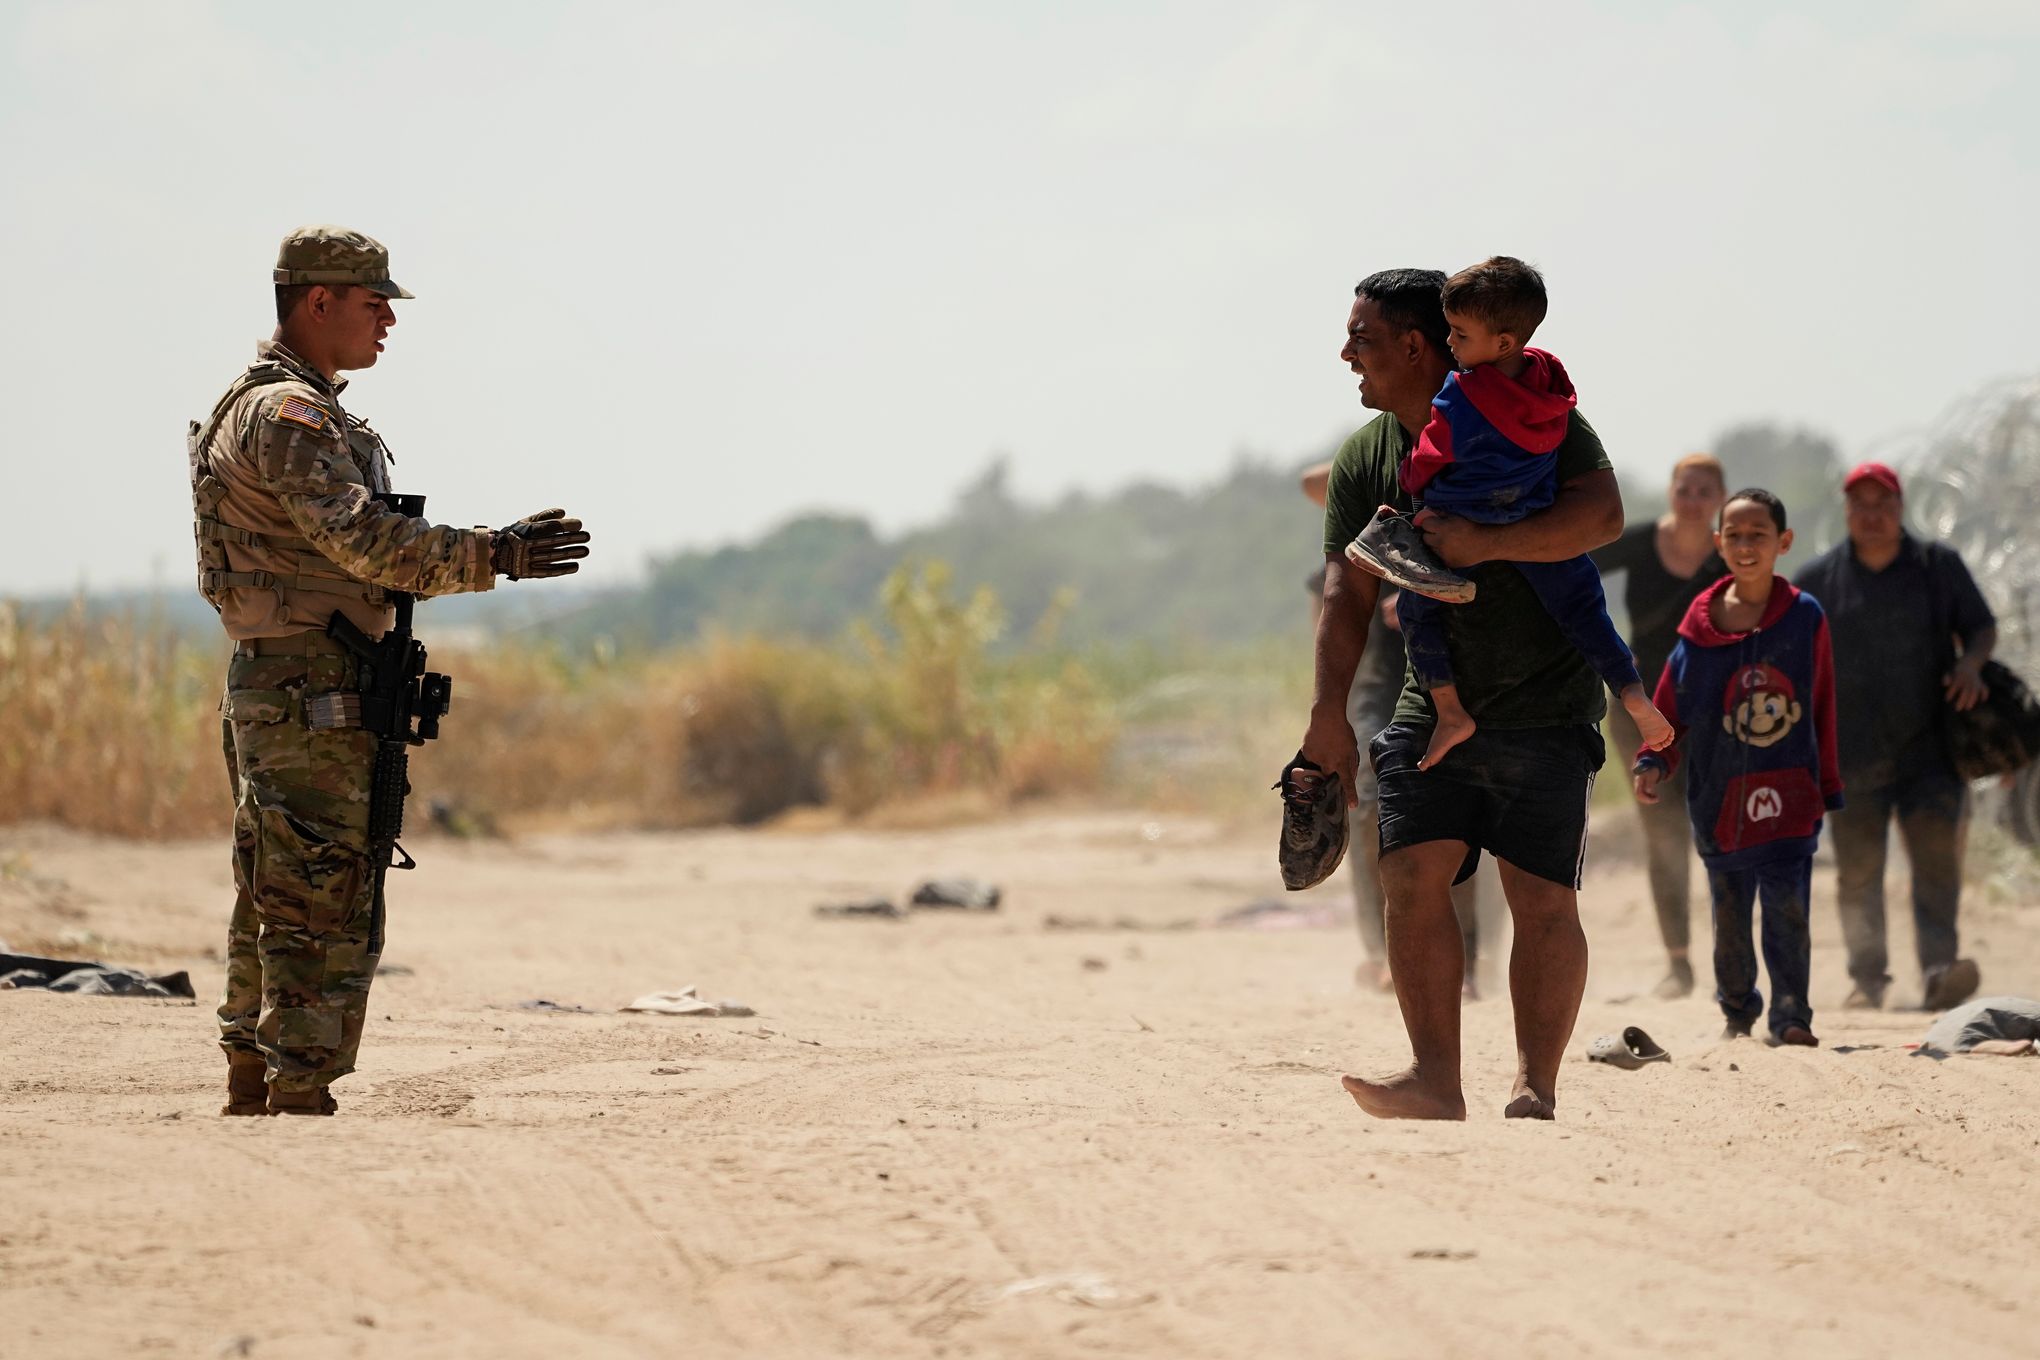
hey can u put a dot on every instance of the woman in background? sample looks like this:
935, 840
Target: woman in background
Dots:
1666, 563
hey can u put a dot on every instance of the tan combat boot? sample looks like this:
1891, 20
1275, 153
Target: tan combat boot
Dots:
314, 1101
247, 1089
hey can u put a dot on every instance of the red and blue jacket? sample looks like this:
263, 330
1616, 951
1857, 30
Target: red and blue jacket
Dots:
1755, 714
1488, 451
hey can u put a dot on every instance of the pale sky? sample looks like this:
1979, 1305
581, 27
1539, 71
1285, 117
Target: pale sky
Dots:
688, 269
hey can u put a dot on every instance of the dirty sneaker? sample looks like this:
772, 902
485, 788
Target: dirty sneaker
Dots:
1314, 830
1392, 546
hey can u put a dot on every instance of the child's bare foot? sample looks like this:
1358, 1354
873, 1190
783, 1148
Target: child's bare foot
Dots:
1406, 1095
1454, 725
1651, 725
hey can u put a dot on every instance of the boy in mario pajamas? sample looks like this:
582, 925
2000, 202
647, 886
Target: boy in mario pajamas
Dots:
1750, 690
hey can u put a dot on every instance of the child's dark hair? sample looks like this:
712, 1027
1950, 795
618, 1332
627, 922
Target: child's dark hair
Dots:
1502, 293
1756, 495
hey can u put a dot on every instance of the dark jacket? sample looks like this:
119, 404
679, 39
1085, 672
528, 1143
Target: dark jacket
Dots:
1755, 714
1895, 636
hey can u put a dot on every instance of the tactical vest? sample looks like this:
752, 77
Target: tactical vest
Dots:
283, 564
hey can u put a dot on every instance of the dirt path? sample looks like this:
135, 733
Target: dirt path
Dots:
927, 1116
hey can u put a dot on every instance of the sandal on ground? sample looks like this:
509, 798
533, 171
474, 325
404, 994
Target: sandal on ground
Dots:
1630, 1049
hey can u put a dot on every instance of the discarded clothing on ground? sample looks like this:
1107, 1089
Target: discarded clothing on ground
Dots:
883, 908
957, 894
539, 1003
685, 1001
1053, 921
1992, 1017
22, 971
1268, 914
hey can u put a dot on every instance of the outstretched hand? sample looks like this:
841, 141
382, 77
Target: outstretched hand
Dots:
541, 545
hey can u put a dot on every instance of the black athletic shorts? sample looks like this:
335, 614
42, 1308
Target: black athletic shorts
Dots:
1518, 793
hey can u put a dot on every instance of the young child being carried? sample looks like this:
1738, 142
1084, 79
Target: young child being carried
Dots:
1489, 454
1750, 688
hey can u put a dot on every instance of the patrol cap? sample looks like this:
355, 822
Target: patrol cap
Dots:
335, 255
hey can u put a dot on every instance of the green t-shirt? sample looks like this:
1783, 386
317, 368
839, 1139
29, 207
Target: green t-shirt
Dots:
1512, 665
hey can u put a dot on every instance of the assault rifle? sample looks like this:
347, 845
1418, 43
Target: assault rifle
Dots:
401, 703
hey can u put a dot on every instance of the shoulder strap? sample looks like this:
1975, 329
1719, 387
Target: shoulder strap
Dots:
256, 375
207, 490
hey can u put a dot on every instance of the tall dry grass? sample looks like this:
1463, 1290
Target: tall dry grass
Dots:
109, 725
112, 725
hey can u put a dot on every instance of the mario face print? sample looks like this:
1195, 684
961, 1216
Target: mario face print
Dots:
1761, 707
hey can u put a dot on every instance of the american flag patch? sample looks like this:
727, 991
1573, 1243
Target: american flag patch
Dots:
303, 413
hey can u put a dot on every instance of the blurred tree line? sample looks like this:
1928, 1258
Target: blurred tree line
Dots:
1149, 563
1221, 564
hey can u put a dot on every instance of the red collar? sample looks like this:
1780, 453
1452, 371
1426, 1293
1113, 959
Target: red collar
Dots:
1698, 625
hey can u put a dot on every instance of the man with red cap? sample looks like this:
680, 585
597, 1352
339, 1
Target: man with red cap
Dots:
1911, 634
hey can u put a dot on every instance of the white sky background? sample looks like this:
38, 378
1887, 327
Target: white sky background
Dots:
689, 269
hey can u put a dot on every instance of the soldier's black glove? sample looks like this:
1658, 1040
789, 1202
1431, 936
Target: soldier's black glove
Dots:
544, 544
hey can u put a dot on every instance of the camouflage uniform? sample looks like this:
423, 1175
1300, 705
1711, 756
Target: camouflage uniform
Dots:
288, 532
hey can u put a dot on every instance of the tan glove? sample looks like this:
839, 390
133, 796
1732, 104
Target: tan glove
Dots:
540, 545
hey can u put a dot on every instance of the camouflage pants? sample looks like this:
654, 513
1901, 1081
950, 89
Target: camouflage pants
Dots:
298, 965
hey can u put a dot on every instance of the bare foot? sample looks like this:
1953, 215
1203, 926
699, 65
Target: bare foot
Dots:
1454, 725
1405, 1096
1374, 977
1651, 725
1798, 1036
1526, 1104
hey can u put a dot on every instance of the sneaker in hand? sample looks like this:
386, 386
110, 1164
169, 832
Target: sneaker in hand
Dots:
1314, 827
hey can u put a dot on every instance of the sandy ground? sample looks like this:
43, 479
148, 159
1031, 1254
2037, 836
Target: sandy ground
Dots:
968, 1136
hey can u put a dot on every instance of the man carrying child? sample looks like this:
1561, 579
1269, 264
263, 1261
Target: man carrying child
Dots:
1518, 786
1488, 454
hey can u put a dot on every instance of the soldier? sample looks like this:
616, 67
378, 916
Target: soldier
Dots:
284, 486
